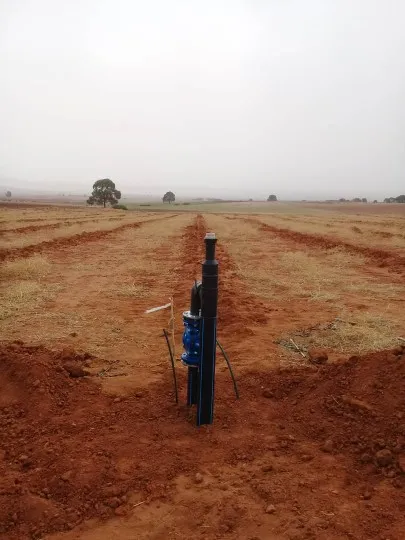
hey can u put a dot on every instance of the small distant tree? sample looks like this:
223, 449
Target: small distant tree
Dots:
357, 199
169, 197
8, 194
272, 198
104, 192
364, 200
375, 201
342, 199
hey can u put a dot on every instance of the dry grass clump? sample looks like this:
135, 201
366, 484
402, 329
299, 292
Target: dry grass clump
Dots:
365, 231
302, 275
365, 332
372, 290
21, 287
353, 333
13, 240
340, 258
35, 267
132, 290
22, 296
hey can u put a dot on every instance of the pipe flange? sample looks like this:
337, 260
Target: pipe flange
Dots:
188, 315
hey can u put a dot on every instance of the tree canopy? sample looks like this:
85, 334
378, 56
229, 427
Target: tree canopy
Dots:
8, 194
104, 192
169, 197
399, 199
272, 198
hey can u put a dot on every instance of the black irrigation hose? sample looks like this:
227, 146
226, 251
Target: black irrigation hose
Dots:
235, 386
172, 361
230, 369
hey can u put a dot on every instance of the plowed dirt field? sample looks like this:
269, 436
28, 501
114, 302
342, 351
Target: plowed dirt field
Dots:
312, 316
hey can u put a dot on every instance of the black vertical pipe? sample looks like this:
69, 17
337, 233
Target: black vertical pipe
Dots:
209, 302
195, 302
192, 386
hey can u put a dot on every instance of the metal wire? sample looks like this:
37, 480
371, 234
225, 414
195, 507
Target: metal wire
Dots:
235, 386
172, 362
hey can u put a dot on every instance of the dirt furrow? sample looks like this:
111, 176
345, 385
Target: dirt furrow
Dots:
189, 269
50, 226
70, 241
238, 310
242, 317
34, 228
382, 258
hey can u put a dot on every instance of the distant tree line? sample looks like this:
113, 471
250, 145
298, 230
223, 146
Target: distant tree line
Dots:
399, 199
356, 199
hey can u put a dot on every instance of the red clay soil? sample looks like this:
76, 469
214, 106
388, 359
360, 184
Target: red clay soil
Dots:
384, 259
192, 253
26, 220
42, 206
34, 228
70, 241
68, 452
67, 241
50, 226
237, 309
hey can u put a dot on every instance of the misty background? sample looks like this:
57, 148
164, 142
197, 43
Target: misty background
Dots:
218, 98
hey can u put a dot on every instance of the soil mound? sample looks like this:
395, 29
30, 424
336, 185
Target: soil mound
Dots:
39, 390
356, 406
68, 452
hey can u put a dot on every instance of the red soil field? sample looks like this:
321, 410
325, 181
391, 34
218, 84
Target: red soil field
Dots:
309, 451
64, 443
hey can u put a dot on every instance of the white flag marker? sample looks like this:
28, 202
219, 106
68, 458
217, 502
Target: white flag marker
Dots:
158, 308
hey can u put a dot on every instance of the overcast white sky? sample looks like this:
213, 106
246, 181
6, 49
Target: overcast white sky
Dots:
211, 97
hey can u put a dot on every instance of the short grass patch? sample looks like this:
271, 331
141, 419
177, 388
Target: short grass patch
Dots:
349, 334
22, 297
132, 290
302, 275
34, 267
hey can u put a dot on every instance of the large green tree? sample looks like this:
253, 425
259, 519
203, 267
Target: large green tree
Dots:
104, 192
169, 197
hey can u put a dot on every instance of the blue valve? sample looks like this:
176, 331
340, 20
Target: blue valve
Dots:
191, 340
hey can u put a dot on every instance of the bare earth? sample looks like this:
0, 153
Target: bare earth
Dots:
309, 451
